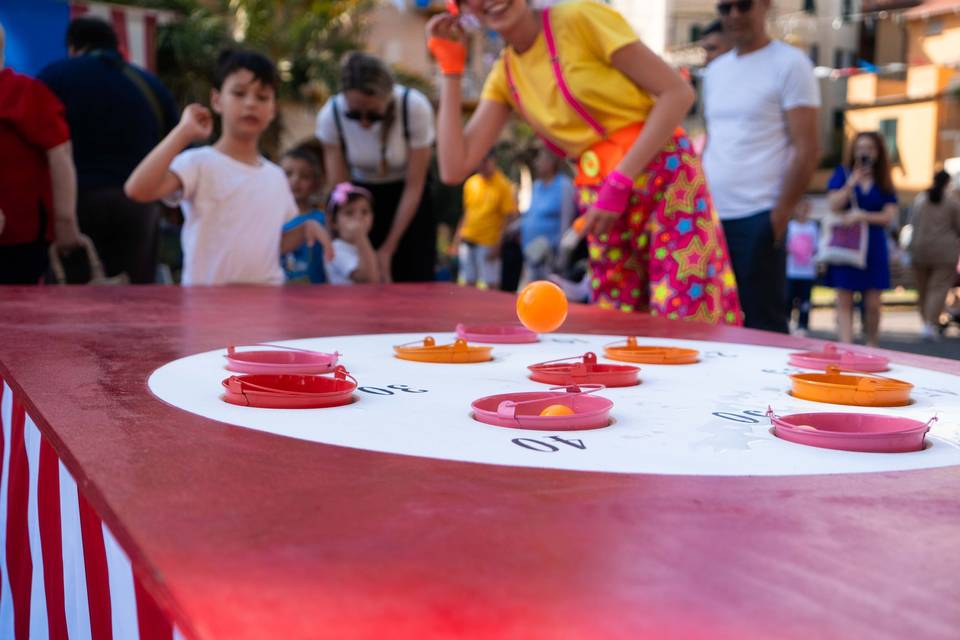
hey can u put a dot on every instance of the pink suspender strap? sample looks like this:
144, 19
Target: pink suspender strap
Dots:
554, 148
561, 83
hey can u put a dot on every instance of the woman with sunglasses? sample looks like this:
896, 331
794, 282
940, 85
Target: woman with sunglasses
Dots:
378, 135
579, 75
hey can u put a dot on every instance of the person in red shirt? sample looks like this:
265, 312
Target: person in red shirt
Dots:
38, 181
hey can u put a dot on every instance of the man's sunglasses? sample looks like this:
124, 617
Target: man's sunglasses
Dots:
366, 116
743, 6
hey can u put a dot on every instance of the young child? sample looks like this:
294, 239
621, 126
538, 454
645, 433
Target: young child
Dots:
802, 236
234, 201
302, 167
351, 218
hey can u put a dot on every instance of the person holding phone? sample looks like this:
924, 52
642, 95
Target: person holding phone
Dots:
378, 135
865, 189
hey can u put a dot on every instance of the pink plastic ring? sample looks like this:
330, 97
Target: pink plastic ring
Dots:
496, 333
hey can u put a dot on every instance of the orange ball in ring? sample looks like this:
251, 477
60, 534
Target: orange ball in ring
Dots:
542, 306
557, 410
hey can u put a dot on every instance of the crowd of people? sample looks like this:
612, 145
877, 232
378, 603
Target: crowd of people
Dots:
621, 213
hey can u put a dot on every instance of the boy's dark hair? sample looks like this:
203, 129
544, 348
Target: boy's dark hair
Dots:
714, 27
233, 60
308, 156
90, 34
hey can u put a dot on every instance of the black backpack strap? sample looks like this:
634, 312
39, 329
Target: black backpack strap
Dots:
149, 95
339, 124
406, 119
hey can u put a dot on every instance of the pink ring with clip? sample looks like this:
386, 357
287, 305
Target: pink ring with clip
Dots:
846, 359
496, 333
521, 410
290, 391
584, 370
280, 359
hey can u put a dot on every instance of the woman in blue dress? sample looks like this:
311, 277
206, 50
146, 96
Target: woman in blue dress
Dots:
866, 181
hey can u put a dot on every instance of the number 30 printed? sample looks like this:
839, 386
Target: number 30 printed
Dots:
379, 391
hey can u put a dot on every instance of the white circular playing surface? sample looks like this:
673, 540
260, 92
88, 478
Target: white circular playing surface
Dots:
700, 419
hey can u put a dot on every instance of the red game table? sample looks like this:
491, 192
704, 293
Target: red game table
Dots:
125, 517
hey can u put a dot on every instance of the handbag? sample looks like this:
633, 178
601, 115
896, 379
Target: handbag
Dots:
83, 267
842, 243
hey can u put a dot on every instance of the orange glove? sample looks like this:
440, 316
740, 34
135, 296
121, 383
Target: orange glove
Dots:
450, 55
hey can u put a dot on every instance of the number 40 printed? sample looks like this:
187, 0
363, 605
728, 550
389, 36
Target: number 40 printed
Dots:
746, 417
555, 444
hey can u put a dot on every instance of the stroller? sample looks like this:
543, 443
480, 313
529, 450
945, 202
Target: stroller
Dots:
951, 313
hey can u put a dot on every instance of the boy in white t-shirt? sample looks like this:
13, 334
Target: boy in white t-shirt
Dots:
350, 213
802, 237
235, 202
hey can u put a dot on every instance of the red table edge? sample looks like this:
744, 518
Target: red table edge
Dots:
166, 602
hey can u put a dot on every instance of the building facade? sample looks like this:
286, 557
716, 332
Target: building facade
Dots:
916, 105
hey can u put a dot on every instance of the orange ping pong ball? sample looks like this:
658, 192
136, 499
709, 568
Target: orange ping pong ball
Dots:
542, 306
557, 410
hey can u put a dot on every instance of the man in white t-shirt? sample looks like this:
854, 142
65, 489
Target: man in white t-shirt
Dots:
761, 103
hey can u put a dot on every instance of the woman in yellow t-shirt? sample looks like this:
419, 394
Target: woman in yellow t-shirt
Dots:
579, 75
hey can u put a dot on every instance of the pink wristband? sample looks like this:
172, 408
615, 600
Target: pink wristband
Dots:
615, 193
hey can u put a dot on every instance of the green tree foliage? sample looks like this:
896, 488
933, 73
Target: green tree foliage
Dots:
305, 38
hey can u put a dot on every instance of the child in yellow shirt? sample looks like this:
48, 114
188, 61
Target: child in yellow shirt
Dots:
488, 204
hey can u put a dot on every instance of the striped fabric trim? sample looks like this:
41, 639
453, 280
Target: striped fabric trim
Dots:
62, 572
